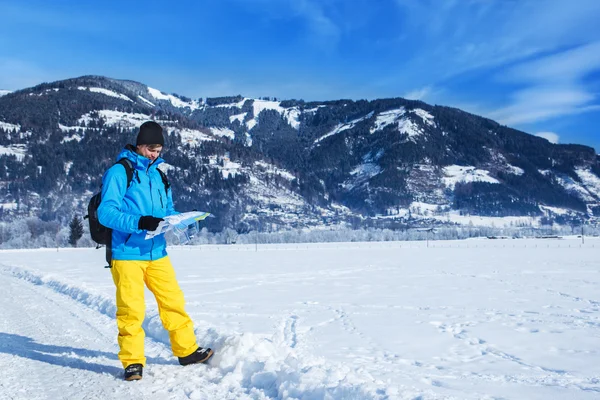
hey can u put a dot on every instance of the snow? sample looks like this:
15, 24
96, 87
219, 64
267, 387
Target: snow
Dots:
313, 110
361, 173
191, 136
175, 101
275, 170
556, 210
14, 129
291, 115
460, 173
440, 212
9, 127
113, 117
476, 319
492, 222
590, 180
342, 127
387, 118
239, 104
72, 137
410, 128
17, 150
260, 105
252, 123
405, 125
229, 168
151, 104
574, 188
273, 201
425, 116
514, 170
105, 92
9, 206
4, 92
65, 128
225, 132
238, 117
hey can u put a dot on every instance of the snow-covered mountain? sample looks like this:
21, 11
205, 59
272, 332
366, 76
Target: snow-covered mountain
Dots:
4, 92
269, 164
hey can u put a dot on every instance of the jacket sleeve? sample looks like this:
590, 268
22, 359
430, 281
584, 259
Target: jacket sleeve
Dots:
114, 186
170, 208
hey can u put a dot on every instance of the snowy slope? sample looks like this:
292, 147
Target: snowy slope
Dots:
457, 320
175, 101
343, 127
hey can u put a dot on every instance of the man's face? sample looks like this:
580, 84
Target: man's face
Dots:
149, 151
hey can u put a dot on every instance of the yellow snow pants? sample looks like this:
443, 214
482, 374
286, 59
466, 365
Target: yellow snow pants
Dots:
159, 276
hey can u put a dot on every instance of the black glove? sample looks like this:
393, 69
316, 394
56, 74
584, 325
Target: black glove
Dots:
149, 223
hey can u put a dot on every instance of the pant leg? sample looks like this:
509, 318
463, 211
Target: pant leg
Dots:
160, 279
131, 309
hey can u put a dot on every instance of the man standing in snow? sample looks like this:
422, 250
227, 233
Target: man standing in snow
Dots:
130, 212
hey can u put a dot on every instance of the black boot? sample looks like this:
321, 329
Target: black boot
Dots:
199, 356
133, 372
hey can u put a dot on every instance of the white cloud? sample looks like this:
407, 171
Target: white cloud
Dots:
500, 33
543, 102
320, 25
549, 136
418, 94
567, 66
556, 86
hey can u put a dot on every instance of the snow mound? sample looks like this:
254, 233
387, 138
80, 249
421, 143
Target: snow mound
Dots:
263, 366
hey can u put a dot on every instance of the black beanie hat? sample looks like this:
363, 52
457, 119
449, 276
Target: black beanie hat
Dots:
150, 133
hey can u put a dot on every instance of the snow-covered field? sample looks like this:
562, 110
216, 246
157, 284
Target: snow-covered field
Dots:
476, 319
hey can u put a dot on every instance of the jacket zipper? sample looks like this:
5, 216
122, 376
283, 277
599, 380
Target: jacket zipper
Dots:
152, 203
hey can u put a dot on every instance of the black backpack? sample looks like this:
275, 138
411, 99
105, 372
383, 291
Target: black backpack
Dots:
100, 233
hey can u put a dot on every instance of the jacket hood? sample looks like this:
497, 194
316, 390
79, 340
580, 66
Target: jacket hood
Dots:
138, 161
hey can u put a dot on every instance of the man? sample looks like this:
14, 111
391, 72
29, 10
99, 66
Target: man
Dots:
130, 212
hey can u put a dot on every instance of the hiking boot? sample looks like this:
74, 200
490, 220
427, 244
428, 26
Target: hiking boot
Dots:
133, 372
199, 356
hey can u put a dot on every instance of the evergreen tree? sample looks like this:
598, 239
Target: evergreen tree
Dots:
75, 231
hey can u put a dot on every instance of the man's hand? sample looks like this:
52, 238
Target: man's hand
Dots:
149, 223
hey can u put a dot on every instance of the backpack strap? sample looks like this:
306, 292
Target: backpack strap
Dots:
164, 179
128, 169
126, 163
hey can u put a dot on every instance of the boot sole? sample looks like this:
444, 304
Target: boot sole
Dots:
134, 378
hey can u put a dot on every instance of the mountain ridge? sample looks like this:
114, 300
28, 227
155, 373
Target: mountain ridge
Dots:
273, 164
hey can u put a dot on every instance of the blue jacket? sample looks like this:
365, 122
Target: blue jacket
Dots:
122, 207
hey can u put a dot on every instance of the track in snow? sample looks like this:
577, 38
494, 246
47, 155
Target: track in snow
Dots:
58, 342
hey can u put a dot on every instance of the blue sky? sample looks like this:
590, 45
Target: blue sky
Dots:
530, 64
